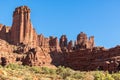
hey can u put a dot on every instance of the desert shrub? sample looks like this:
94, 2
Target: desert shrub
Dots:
64, 72
78, 75
46, 70
103, 76
11, 66
116, 76
26, 66
88, 76
108, 76
52, 71
14, 66
99, 76
35, 69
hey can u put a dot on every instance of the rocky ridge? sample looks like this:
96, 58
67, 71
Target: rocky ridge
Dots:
21, 44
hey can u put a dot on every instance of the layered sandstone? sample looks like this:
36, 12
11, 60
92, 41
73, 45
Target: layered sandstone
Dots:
97, 59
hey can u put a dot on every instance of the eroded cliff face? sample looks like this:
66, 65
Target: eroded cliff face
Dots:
97, 59
21, 44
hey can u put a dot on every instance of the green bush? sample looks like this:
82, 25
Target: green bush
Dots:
99, 76
46, 70
15, 66
78, 75
64, 72
109, 77
35, 69
103, 76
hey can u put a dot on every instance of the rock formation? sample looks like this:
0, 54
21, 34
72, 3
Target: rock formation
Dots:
42, 41
21, 44
97, 59
63, 43
54, 44
83, 42
4, 32
70, 46
22, 30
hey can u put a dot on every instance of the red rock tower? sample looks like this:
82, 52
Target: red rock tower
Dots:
83, 41
22, 30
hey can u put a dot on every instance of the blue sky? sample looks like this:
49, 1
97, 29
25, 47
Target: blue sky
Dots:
100, 18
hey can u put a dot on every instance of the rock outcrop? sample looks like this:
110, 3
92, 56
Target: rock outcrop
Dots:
22, 30
21, 44
98, 59
63, 43
42, 41
83, 42
4, 32
70, 46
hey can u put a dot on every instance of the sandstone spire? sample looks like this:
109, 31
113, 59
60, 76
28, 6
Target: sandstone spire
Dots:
22, 31
63, 41
83, 41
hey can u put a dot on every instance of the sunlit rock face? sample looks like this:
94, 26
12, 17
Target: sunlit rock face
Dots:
22, 30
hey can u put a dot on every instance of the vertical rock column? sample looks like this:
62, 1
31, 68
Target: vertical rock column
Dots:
21, 26
27, 26
22, 30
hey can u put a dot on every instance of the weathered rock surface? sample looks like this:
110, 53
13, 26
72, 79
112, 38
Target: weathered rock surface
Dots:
83, 42
21, 44
6, 54
101, 59
63, 43
37, 57
22, 30
4, 32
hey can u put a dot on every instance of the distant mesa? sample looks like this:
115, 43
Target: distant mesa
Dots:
82, 54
